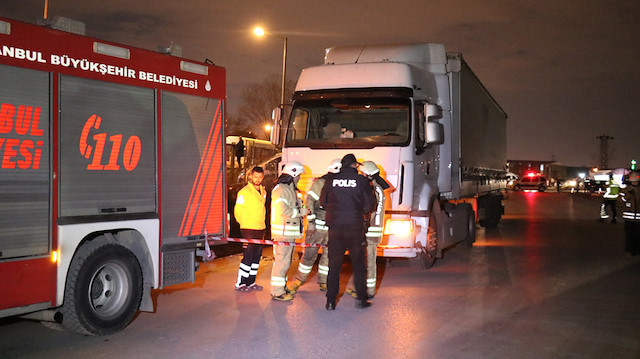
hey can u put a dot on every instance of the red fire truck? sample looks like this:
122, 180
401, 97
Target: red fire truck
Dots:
111, 174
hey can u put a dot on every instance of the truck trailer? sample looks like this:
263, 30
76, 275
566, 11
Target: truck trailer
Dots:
421, 114
112, 173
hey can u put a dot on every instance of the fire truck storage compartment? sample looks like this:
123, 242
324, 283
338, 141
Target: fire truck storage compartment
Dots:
24, 165
118, 175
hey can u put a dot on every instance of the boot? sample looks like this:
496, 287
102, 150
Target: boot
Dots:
293, 288
360, 304
282, 297
331, 305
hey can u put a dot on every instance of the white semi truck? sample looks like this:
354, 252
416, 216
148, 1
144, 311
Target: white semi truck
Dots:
418, 112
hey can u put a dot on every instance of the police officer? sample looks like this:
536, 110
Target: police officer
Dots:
610, 198
286, 226
630, 197
317, 233
348, 199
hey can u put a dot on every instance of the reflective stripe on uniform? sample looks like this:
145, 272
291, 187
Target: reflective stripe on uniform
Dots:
321, 225
254, 269
278, 281
314, 195
324, 270
286, 230
244, 270
371, 282
603, 212
304, 269
311, 217
631, 215
374, 231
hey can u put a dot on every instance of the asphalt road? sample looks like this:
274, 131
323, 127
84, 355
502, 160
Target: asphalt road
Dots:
549, 282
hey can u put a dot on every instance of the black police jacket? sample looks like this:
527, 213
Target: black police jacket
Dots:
348, 198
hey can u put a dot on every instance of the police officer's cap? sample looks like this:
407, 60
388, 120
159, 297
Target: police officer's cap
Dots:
349, 159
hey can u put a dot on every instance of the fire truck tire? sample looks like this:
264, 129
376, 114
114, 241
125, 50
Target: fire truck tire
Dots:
104, 289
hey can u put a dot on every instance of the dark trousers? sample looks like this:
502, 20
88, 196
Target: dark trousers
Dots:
611, 203
251, 257
342, 239
632, 237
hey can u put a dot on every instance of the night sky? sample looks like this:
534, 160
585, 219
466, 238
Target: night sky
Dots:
563, 71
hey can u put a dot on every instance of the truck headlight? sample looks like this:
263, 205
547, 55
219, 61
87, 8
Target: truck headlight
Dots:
401, 227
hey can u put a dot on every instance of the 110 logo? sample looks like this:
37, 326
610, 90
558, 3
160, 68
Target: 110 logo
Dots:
130, 157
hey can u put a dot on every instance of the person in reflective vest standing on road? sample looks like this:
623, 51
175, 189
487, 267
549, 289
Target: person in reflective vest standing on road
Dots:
610, 198
376, 224
287, 212
250, 213
317, 233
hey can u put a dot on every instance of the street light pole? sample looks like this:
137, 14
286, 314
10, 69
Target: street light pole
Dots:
258, 31
284, 73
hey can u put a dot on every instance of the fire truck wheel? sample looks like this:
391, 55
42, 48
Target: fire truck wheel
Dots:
104, 289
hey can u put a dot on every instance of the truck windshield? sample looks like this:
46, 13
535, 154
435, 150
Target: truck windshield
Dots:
346, 122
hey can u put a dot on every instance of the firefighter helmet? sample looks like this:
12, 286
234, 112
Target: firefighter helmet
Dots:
369, 168
335, 166
293, 168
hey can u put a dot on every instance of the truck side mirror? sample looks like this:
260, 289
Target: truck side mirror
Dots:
434, 131
276, 116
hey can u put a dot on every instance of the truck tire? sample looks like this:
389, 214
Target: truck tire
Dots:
104, 289
426, 256
542, 189
470, 221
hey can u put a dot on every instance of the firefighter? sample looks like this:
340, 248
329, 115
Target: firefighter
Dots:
348, 199
316, 233
630, 196
250, 213
376, 225
287, 212
610, 198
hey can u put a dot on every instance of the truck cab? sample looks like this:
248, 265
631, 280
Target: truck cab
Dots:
399, 106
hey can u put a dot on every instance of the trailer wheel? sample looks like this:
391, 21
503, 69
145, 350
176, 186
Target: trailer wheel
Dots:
104, 289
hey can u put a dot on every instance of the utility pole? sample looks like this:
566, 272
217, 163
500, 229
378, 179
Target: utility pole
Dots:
604, 150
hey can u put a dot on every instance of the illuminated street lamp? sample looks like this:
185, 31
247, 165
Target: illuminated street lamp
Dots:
258, 31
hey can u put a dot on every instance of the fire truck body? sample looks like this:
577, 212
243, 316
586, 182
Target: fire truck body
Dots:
111, 173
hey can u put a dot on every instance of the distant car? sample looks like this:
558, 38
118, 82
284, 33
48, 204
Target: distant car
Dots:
531, 182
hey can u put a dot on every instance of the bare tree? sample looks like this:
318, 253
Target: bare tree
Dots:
257, 102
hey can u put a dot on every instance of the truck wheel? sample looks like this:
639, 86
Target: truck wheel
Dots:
104, 289
470, 220
424, 259
541, 189
516, 188
426, 255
